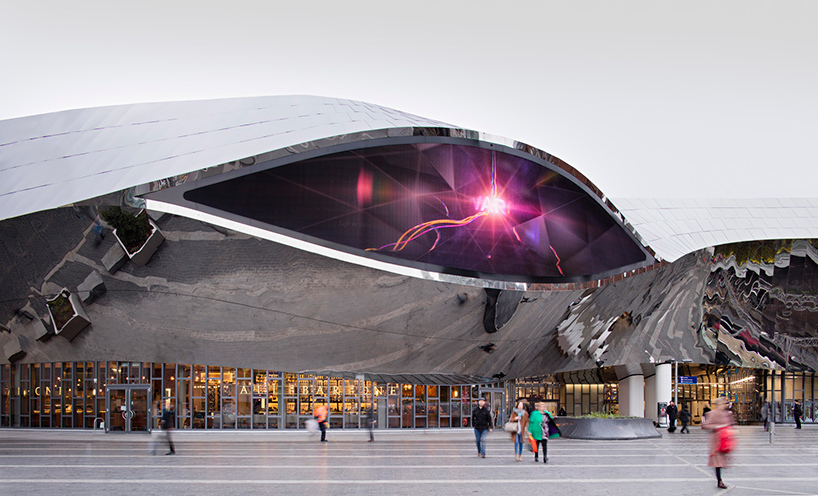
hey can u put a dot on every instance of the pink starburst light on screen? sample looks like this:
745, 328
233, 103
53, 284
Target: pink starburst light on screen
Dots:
489, 205
494, 205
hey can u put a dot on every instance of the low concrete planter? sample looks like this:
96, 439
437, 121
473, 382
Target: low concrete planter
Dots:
607, 429
78, 321
142, 255
13, 350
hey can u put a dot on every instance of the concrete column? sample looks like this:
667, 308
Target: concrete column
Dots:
632, 396
664, 387
650, 397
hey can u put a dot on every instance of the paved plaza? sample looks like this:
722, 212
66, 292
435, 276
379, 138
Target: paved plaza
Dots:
70, 462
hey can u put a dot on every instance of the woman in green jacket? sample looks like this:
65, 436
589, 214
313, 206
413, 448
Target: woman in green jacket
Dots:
535, 427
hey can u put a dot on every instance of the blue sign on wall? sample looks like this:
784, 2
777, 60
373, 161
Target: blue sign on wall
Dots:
687, 379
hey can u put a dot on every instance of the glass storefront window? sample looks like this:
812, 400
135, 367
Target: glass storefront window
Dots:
321, 386
291, 416
273, 394
197, 407
183, 404
336, 397
351, 388
367, 405
198, 381
351, 413
212, 397
259, 413
290, 385
259, 382
407, 412
228, 412
134, 373
433, 413
214, 389
169, 380
305, 388
420, 393
244, 392
307, 408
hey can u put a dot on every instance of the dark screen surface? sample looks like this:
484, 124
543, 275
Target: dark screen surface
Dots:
467, 208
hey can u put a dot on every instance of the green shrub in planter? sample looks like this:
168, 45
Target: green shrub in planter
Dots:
67, 315
132, 230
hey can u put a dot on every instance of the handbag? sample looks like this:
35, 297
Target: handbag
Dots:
727, 440
510, 427
553, 429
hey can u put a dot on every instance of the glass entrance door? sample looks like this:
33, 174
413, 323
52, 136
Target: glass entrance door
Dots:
496, 403
127, 408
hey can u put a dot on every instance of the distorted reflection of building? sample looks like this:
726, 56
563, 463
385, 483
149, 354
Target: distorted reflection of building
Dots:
299, 251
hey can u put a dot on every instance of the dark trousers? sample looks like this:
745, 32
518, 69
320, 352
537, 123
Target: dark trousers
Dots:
797, 422
169, 441
542, 450
323, 427
671, 424
684, 427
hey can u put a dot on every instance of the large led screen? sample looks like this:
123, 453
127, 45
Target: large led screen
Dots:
440, 206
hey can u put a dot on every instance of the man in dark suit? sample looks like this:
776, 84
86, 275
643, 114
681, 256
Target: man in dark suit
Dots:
672, 413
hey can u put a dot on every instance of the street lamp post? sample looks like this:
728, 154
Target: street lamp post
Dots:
676, 378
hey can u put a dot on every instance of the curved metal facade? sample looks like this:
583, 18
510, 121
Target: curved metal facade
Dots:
228, 287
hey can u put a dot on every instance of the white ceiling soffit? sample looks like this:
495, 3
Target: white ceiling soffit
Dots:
676, 227
51, 160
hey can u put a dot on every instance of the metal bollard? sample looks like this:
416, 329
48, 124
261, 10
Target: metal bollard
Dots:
772, 431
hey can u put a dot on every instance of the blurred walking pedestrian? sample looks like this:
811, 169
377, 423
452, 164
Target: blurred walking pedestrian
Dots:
369, 420
481, 421
684, 418
765, 415
168, 424
320, 416
797, 412
519, 416
538, 427
715, 421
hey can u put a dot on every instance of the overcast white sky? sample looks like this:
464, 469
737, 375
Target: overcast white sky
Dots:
646, 98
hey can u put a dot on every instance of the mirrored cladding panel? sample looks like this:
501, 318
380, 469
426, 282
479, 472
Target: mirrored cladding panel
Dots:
445, 205
760, 304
